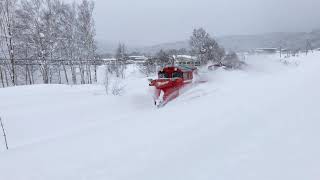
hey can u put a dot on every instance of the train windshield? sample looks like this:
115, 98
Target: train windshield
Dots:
177, 75
163, 75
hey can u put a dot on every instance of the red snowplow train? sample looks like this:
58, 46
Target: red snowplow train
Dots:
170, 82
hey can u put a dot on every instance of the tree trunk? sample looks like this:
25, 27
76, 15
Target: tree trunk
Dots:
1, 77
6, 77
60, 81
11, 49
82, 74
26, 74
65, 74
95, 74
74, 74
89, 74
29, 75
31, 71
45, 73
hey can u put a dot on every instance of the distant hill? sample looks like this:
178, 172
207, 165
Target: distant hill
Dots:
290, 40
166, 46
285, 40
105, 47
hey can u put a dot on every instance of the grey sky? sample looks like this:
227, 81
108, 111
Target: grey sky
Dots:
146, 22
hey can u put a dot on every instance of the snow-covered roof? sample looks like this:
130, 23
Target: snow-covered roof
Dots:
138, 58
109, 59
269, 50
185, 57
182, 68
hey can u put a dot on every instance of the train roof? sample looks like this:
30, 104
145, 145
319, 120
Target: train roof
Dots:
180, 68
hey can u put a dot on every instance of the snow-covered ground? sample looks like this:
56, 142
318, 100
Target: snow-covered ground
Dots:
259, 124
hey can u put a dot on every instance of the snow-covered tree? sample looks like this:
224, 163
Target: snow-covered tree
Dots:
87, 44
149, 67
205, 47
121, 59
163, 58
48, 36
232, 61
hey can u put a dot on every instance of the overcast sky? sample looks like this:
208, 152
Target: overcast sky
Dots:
146, 22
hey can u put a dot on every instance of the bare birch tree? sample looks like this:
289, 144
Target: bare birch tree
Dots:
7, 13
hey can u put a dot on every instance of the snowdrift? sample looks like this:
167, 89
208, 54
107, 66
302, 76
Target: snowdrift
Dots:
261, 123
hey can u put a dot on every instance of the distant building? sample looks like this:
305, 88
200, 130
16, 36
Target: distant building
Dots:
110, 60
186, 60
137, 58
266, 50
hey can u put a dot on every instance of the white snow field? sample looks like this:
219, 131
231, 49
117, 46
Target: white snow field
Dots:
259, 124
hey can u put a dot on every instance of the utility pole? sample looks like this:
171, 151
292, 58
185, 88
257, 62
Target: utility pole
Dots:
4, 134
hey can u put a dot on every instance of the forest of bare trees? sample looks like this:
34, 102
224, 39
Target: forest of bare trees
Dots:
47, 41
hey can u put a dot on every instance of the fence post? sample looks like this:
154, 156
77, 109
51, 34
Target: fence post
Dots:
4, 134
